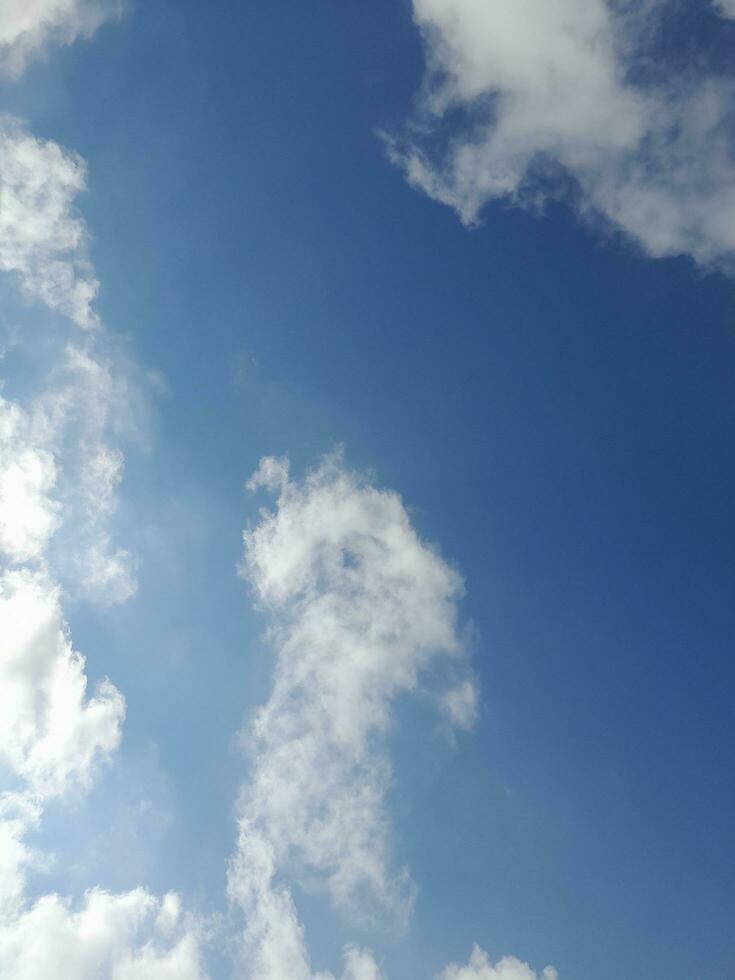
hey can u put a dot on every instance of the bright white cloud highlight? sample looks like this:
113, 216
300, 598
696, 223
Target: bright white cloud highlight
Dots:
28, 514
28, 27
51, 733
519, 92
133, 936
508, 968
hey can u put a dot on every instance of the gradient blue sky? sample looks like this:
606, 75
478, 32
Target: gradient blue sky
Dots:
556, 409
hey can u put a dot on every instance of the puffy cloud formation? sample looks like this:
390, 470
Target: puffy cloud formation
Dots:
360, 607
133, 936
59, 473
508, 968
726, 8
26, 28
42, 240
520, 95
28, 514
18, 813
51, 733
57, 461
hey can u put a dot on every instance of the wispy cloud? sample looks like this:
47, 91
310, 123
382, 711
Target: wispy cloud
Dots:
27, 29
522, 95
360, 607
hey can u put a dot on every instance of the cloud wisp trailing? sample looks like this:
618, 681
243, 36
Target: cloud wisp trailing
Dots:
360, 609
522, 95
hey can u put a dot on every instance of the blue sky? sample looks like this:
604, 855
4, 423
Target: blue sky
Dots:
510, 300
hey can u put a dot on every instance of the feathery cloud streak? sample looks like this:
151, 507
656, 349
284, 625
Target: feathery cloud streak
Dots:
520, 95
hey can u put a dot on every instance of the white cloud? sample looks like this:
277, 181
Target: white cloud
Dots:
42, 240
59, 474
27, 27
275, 946
460, 704
360, 606
133, 936
18, 813
51, 732
726, 8
508, 968
518, 91
28, 514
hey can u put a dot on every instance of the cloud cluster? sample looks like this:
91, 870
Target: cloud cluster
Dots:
59, 472
523, 95
27, 28
360, 608
52, 735
134, 936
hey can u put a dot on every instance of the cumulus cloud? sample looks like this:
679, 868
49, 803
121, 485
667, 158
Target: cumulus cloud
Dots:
28, 28
60, 469
59, 475
59, 462
51, 733
42, 240
508, 968
360, 607
521, 95
133, 936
28, 513
18, 813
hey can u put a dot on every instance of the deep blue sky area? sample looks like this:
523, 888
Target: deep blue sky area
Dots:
556, 409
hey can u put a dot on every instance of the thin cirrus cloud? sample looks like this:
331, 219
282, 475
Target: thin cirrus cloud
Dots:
26, 29
359, 608
521, 95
